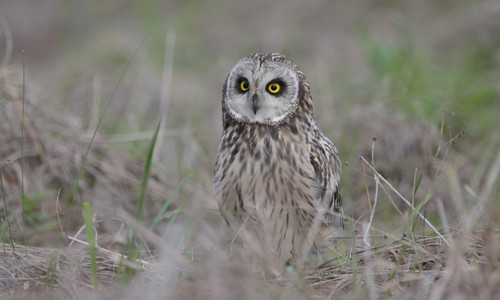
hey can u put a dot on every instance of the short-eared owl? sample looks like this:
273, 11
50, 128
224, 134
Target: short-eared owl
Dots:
277, 175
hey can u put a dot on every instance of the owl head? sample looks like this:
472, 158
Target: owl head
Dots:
263, 89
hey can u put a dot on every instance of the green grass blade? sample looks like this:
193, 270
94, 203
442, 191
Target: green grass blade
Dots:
417, 184
147, 172
89, 226
414, 213
133, 252
50, 277
163, 211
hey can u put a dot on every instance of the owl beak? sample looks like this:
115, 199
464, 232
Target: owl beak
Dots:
255, 103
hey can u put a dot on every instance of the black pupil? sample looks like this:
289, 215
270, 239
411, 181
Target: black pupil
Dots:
245, 85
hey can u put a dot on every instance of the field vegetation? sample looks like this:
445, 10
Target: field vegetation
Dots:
109, 125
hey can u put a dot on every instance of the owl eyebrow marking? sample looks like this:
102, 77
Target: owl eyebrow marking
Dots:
278, 80
238, 82
281, 82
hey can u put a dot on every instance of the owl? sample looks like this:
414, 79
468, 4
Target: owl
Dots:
277, 176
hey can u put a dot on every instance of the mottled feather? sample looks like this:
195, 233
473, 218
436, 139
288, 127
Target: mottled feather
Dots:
276, 175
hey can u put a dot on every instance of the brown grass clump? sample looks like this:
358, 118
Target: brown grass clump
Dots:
55, 147
416, 268
32, 268
409, 268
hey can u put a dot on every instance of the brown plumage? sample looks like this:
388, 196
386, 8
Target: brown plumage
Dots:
276, 175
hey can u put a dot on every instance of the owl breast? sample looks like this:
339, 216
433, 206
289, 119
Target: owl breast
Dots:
267, 185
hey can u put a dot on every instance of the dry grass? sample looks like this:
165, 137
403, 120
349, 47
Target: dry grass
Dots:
453, 264
421, 202
418, 267
55, 148
409, 268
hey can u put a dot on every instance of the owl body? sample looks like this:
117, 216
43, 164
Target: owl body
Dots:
276, 175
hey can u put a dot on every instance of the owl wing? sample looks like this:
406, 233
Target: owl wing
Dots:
326, 163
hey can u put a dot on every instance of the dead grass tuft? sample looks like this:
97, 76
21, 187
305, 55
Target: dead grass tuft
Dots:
54, 148
411, 267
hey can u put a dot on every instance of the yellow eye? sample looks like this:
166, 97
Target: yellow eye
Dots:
244, 86
274, 88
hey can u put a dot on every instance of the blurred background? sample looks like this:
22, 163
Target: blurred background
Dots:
412, 86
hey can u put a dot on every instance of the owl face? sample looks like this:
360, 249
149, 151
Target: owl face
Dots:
262, 89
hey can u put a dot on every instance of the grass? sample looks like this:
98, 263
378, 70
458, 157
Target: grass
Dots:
6, 223
147, 173
414, 114
101, 117
22, 149
134, 249
89, 226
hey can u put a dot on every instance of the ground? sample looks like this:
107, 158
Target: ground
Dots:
407, 90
